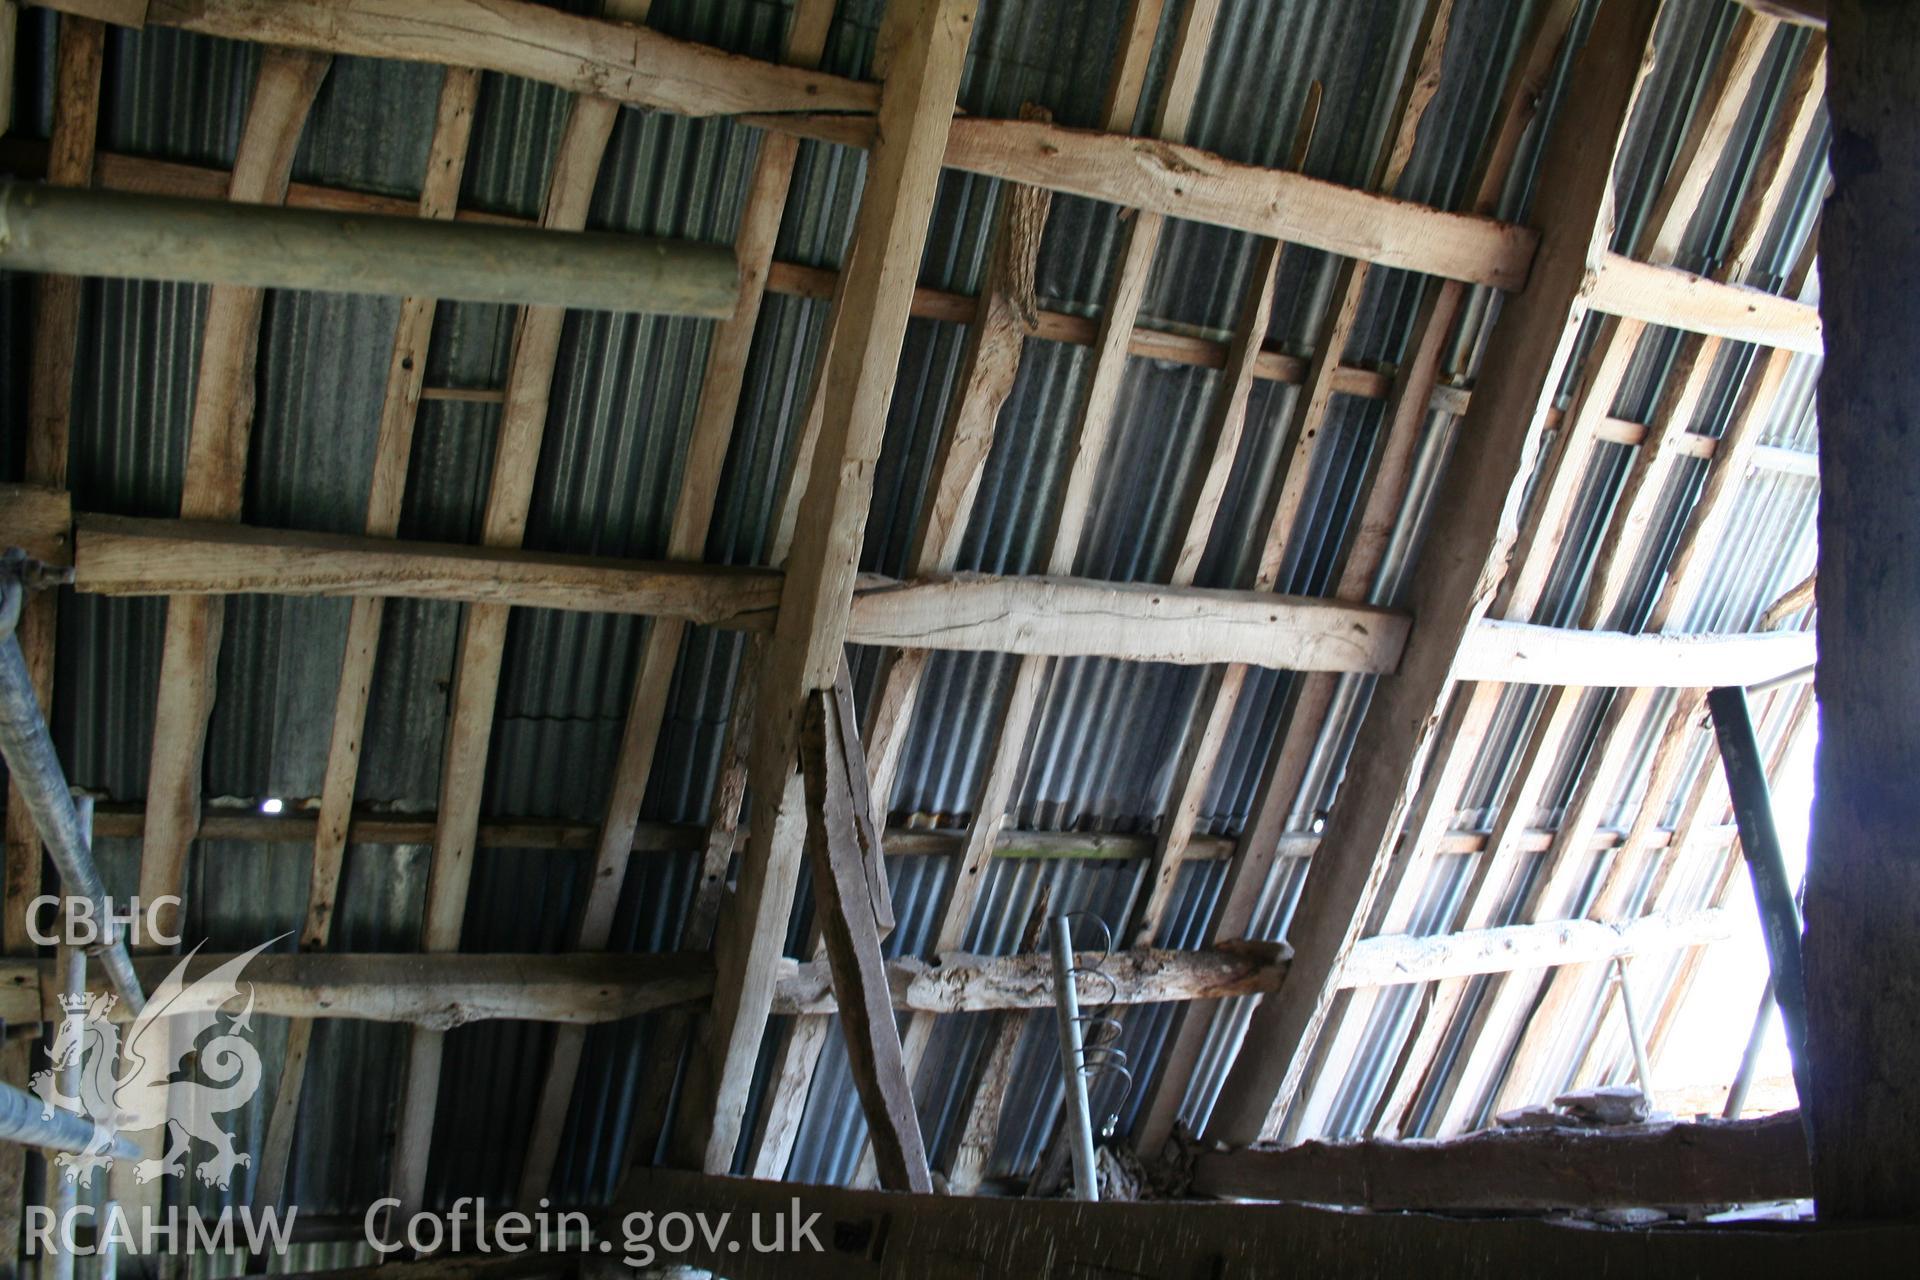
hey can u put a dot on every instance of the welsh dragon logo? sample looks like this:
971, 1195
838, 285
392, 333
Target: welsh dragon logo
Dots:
129, 1087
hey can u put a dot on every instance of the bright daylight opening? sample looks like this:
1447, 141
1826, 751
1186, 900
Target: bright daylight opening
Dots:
1701, 1057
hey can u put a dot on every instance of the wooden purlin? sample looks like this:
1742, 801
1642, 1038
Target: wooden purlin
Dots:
393, 448
1538, 549
1403, 425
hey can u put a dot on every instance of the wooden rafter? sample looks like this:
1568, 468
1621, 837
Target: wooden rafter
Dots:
1632, 519
215, 482
1086, 450
393, 448
1539, 545
927, 40
1404, 424
995, 338
1306, 425
719, 404
1476, 512
483, 632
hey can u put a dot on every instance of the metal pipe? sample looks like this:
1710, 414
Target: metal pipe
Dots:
1066, 1007
66, 1191
84, 232
1641, 1066
22, 1120
1772, 890
1799, 675
1750, 1056
43, 785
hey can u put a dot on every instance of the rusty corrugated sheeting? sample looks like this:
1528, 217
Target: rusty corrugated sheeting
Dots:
1107, 734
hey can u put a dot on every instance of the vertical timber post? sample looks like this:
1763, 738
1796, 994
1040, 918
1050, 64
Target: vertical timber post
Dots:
1863, 878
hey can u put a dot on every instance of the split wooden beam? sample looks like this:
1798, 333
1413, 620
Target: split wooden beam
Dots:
215, 480
483, 632
839, 856
718, 407
927, 42
393, 450
1477, 513
1384, 492
1709, 1162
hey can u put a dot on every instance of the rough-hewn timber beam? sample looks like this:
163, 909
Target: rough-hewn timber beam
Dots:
870, 1234
1180, 181
1059, 616
128, 556
118, 555
365, 826
449, 989
601, 57
1654, 294
1713, 1162
1389, 959
1522, 653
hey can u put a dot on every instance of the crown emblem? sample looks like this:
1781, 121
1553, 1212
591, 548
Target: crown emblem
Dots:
74, 1003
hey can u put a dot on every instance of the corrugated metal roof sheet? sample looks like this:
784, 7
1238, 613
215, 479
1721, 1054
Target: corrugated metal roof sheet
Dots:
1107, 734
